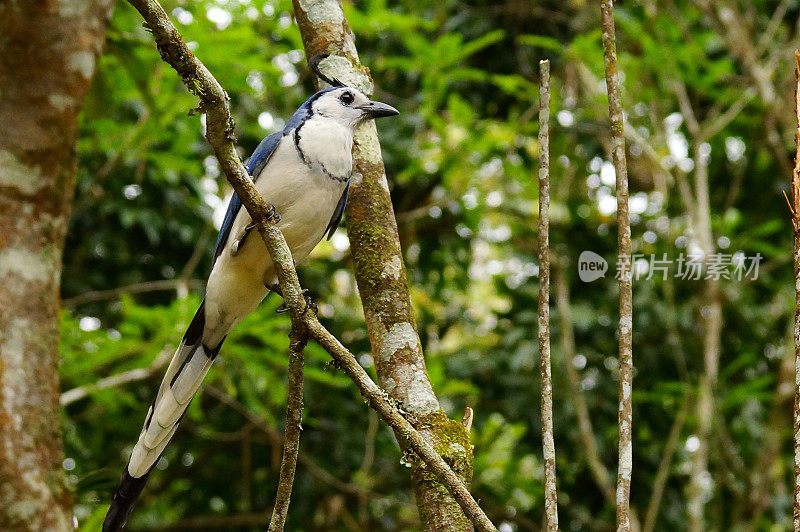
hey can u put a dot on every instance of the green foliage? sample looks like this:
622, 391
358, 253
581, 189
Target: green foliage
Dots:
461, 161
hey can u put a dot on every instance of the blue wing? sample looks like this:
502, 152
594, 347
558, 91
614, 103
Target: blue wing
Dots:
336, 219
254, 165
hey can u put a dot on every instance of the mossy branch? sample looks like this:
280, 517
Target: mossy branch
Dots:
380, 274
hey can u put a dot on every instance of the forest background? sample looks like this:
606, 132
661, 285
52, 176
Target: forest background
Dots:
707, 91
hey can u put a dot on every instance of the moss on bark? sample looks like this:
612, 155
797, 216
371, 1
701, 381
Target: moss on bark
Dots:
381, 277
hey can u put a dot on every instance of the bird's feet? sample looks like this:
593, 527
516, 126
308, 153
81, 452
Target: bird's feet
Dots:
272, 214
237, 245
310, 304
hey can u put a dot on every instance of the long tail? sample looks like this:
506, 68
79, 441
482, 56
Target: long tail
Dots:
189, 366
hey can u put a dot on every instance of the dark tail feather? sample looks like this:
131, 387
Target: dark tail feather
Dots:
122, 504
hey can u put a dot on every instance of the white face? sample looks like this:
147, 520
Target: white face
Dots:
344, 105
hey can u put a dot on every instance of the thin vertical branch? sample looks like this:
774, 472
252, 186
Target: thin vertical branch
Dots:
624, 264
711, 322
246, 460
548, 444
795, 207
291, 441
664, 467
598, 470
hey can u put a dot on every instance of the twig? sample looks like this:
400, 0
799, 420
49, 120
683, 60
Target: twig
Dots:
133, 375
727, 22
766, 480
369, 444
220, 135
276, 440
795, 189
686, 108
548, 443
663, 467
291, 440
198, 253
713, 125
366, 464
598, 470
136, 288
210, 522
768, 36
246, 461
624, 263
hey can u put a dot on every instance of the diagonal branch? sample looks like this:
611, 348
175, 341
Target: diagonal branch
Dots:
132, 375
220, 135
664, 467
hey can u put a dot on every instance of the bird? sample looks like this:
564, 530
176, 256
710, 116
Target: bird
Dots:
303, 172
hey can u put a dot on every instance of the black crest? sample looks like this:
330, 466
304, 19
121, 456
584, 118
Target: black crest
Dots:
314, 64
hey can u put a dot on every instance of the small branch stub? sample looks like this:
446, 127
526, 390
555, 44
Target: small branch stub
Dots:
467, 419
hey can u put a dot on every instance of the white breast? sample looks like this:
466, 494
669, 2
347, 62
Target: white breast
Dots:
305, 194
327, 145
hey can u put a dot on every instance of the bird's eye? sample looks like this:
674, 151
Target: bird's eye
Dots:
347, 98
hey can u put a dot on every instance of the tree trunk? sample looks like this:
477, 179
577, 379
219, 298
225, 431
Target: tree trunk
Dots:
48, 52
381, 276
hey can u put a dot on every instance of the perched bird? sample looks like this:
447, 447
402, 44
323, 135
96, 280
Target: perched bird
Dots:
303, 172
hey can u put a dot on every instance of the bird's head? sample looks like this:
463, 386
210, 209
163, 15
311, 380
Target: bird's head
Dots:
349, 106
345, 104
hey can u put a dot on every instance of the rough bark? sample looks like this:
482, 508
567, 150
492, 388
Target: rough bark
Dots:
219, 133
381, 277
291, 440
795, 208
545, 374
624, 262
48, 52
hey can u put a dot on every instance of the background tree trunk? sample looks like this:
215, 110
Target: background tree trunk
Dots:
48, 52
381, 276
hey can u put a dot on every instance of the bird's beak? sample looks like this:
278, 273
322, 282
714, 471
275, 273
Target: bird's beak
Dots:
378, 109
